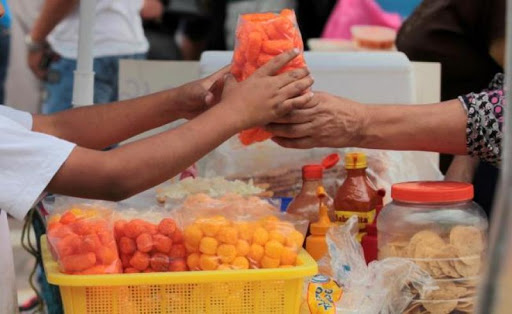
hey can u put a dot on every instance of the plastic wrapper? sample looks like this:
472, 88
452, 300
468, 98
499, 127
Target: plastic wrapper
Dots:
81, 237
259, 38
234, 232
149, 241
386, 286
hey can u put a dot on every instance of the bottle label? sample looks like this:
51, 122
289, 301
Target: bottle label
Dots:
363, 217
322, 295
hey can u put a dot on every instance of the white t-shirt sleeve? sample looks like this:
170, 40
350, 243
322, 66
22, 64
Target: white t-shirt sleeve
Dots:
28, 162
22, 117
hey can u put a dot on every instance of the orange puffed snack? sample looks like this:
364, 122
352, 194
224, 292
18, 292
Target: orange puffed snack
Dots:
82, 241
151, 247
260, 37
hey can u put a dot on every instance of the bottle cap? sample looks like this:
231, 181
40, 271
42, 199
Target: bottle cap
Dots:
324, 223
355, 161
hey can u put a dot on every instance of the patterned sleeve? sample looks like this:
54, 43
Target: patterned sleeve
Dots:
485, 121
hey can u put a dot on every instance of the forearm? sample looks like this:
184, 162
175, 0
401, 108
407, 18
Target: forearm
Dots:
137, 166
52, 13
437, 127
102, 125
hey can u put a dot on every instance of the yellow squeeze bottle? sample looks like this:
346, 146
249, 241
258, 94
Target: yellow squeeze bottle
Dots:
315, 243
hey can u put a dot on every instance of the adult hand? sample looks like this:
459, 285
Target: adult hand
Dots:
264, 96
152, 10
200, 95
35, 59
326, 121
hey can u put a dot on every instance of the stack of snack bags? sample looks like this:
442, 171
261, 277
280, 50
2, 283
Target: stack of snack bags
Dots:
259, 38
234, 232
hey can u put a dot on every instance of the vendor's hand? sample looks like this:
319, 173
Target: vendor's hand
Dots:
264, 96
200, 95
326, 121
35, 59
152, 10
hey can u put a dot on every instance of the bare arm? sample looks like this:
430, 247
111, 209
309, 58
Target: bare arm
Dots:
52, 13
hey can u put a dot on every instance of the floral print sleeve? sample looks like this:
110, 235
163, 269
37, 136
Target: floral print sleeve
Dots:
485, 121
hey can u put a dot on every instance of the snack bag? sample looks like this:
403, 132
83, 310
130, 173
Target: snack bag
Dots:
259, 38
234, 232
149, 243
81, 238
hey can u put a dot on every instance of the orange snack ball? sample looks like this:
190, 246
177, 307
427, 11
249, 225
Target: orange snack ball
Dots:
224, 267
106, 237
273, 249
148, 270
162, 243
242, 248
177, 236
106, 255
193, 261
228, 235
58, 230
125, 260
256, 253
226, 253
210, 226
77, 262
260, 236
193, 235
167, 226
140, 261
294, 239
192, 248
208, 262
245, 231
178, 265
277, 236
127, 245
119, 226
160, 262
68, 245
152, 229
286, 266
240, 262
177, 251
208, 245
82, 227
288, 256
144, 242
96, 270
275, 47
131, 270
269, 262
67, 218
134, 228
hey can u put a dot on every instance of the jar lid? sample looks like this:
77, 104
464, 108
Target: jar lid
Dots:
313, 172
432, 192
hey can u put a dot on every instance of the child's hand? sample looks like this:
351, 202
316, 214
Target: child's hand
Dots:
264, 96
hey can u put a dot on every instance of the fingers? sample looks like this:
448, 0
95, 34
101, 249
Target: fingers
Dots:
300, 143
297, 116
274, 65
214, 94
288, 105
296, 88
219, 74
291, 130
229, 81
286, 78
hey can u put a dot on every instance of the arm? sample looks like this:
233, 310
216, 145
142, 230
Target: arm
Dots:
52, 13
121, 120
132, 168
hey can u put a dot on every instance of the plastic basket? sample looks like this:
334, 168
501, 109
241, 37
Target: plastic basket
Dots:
227, 292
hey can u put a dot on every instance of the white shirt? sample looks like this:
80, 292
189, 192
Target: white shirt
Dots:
28, 161
117, 30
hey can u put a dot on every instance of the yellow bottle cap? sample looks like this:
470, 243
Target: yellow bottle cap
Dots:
355, 161
324, 223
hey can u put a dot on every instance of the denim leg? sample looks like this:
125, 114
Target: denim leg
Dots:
5, 42
59, 87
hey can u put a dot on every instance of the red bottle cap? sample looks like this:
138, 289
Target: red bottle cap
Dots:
432, 192
313, 172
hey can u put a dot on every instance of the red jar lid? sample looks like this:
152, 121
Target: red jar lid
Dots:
313, 172
432, 192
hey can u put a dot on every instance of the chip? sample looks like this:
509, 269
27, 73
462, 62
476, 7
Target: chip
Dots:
468, 243
427, 238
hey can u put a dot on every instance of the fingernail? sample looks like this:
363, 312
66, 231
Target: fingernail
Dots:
296, 50
311, 94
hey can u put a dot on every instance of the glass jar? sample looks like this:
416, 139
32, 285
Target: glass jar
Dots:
440, 228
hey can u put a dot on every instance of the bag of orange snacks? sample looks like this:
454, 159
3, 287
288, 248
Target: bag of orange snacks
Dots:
81, 237
259, 38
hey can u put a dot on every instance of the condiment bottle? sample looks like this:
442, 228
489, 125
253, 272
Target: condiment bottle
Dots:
369, 240
305, 204
357, 195
315, 243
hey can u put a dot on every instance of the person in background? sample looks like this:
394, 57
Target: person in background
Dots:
467, 38
5, 43
160, 27
53, 47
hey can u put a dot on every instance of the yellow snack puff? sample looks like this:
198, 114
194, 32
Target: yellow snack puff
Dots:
273, 249
240, 262
208, 245
192, 248
193, 261
269, 262
242, 248
210, 226
224, 267
294, 239
245, 231
208, 262
226, 253
288, 257
228, 235
260, 236
278, 236
256, 253
193, 234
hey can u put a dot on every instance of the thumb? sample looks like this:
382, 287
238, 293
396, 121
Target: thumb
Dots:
229, 81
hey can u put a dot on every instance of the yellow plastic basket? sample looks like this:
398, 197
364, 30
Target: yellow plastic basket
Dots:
227, 292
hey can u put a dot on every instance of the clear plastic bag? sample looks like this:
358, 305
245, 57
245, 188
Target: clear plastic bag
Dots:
386, 286
81, 237
234, 232
149, 240
259, 38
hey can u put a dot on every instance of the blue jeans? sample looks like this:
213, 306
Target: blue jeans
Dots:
5, 42
59, 87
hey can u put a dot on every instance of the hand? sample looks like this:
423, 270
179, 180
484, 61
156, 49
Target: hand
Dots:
264, 97
152, 10
326, 121
35, 59
198, 96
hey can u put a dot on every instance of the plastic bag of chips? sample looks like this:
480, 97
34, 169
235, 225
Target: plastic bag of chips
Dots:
259, 38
